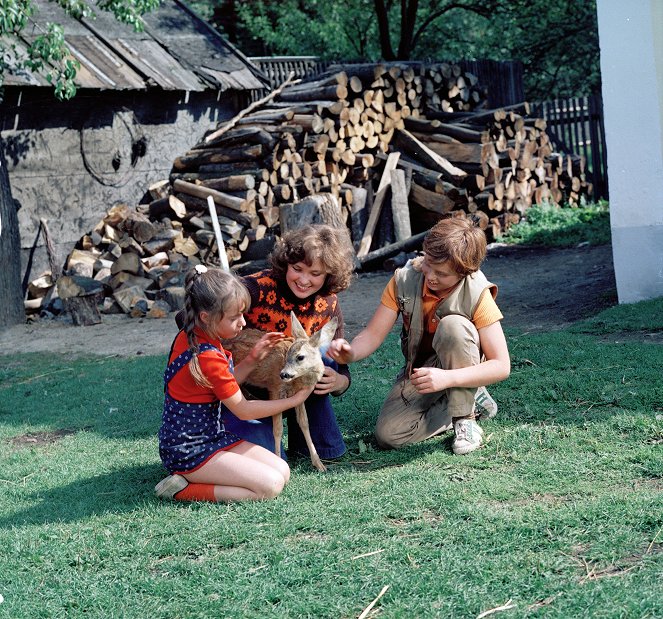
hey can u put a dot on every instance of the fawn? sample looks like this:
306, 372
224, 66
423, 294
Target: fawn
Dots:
294, 363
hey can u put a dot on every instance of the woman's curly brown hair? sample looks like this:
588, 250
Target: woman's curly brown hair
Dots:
332, 246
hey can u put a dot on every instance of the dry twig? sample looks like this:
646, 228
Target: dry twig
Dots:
497, 609
367, 610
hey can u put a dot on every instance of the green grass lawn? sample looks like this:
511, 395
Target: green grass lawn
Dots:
560, 515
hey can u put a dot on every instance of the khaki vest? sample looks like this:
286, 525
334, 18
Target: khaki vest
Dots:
462, 301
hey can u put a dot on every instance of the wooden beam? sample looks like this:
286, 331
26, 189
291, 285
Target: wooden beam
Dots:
385, 181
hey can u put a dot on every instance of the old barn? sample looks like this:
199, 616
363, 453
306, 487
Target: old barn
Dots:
142, 99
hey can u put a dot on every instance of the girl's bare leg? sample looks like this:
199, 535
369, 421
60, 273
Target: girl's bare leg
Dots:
246, 472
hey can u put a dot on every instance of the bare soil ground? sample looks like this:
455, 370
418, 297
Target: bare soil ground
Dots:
539, 289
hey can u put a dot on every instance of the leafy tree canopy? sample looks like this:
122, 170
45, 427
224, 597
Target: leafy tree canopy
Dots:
48, 54
557, 40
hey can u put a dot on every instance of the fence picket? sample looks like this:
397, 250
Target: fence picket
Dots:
575, 126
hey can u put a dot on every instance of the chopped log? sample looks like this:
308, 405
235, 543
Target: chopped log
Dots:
70, 286
237, 182
84, 311
335, 91
430, 200
318, 208
414, 242
50, 248
159, 189
458, 153
358, 214
239, 135
128, 262
220, 198
246, 219
127, 297
81, 262
195, 159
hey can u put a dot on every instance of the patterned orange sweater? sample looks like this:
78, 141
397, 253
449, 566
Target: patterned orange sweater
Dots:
272, 301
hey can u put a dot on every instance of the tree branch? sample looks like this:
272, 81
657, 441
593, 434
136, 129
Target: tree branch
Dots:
480, 9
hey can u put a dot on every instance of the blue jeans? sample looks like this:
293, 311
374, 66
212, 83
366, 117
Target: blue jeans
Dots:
325, 432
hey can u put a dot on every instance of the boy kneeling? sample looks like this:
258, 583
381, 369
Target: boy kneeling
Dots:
452, 340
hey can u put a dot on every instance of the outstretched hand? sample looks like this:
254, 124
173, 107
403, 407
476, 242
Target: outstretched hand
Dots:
262, 347
340, 351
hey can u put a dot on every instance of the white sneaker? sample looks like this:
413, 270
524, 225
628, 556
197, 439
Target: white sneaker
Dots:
469, 436
168, 487
486, 407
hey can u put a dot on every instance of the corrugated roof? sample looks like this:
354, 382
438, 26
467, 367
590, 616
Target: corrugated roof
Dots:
177, 51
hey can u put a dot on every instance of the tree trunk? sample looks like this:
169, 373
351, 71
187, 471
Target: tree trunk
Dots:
11, 308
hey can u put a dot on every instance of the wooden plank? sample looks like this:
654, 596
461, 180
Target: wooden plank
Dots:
374, 215
425, 156
399, 206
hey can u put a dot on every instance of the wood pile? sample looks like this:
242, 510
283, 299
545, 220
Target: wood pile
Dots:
390, 149
334, 135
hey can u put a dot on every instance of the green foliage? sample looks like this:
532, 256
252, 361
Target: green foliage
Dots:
49, 54
534, 32
50, 49
14, 15
560, 512
554, 226
344, 29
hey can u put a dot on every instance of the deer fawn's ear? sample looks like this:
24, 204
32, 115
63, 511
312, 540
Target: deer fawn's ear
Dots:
296, 327
321, 339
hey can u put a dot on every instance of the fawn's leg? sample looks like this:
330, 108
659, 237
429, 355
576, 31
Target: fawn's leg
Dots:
277, 426
302, 420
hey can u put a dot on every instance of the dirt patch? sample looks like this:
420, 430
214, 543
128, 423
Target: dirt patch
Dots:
37, 439
539, 289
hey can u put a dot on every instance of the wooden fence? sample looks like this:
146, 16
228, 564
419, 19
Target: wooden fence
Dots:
575, 126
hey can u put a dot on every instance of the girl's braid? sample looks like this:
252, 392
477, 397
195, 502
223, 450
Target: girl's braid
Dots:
190, 323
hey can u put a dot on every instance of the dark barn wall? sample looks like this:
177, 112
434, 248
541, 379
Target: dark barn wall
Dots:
70, 162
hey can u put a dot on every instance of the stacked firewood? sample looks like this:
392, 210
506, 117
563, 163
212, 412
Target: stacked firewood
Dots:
393, 149
334, 134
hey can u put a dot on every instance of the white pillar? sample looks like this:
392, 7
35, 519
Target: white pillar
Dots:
631, 40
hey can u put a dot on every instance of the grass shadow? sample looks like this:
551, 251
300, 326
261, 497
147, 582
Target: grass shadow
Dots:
115, 492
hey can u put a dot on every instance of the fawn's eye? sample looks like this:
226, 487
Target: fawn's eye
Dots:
301, 357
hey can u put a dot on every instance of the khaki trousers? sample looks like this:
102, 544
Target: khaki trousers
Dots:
409, 417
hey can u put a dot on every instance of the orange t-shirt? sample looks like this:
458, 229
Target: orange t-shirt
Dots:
214, 365
485, 314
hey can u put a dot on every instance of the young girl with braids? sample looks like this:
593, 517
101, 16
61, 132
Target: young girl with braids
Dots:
206, 461
309, 266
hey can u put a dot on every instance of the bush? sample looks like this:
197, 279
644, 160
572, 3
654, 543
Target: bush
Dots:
554, 226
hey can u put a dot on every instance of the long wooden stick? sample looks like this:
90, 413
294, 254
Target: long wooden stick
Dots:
256, 104
223, 258
50, 250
